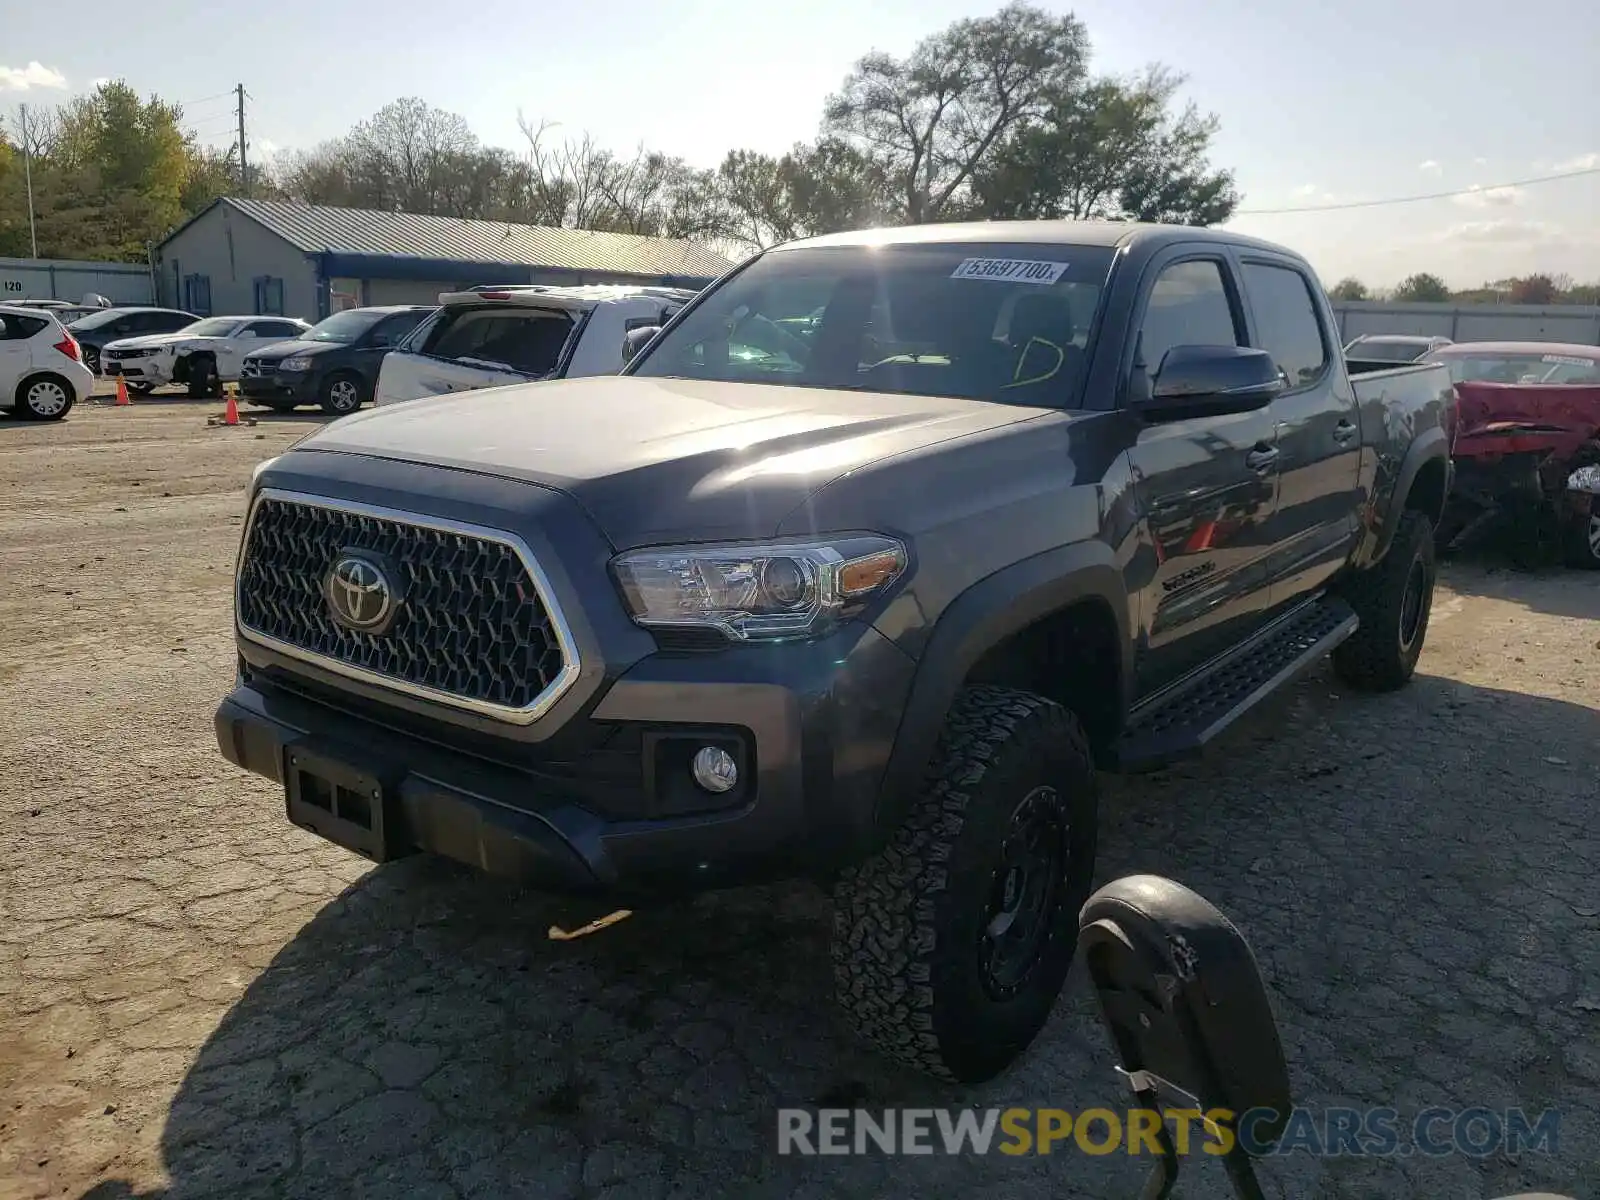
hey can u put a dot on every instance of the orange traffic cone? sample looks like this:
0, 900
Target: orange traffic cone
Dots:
122, 391
231, 416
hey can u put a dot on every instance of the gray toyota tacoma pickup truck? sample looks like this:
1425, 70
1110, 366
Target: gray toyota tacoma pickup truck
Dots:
865, 565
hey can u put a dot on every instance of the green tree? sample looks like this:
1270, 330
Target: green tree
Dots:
815, 188
1350, 288
1422, 288
1110, 148
929, 122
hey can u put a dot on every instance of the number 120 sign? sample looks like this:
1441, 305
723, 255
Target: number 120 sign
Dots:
1009, 270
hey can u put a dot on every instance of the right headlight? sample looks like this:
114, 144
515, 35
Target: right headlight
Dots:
770, 591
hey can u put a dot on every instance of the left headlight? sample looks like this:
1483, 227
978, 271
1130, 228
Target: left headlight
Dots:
295, 364
761, 592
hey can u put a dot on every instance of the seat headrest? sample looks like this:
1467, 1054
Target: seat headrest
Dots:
1040, 315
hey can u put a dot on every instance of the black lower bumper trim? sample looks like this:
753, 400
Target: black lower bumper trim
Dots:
415, 811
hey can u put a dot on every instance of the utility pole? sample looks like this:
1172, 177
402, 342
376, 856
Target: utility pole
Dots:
244, 168
27, 171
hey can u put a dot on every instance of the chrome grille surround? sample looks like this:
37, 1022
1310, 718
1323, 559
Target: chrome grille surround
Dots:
480, 629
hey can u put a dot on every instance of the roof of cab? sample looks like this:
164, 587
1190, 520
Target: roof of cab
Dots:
1056, 233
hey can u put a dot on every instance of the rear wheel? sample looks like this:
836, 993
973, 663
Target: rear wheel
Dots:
342, 394
951, 945
1394, 599
44, 397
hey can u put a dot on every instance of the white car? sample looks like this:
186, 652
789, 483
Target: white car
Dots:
492, 336
203, 355
41, 367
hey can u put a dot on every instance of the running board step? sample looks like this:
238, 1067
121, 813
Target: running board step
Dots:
1198, 710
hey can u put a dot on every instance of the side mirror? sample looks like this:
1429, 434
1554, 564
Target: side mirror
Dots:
635, 340
1202, 381
1188, 1014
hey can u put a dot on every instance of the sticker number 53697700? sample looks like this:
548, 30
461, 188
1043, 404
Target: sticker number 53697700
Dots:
1009, 270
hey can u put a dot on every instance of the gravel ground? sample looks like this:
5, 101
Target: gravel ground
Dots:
197, 999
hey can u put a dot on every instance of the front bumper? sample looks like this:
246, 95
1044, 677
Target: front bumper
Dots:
612, 809
298, 388
155, 370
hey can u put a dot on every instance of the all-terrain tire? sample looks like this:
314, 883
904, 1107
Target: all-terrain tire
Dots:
1382, 655
909, 924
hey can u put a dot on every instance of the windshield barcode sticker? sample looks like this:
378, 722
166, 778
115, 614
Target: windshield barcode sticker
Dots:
1567, 360
1009, 270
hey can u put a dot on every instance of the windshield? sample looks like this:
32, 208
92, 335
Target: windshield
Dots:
981, 322
1399, 352
95, 320
210, 327
1521, 368
343, 327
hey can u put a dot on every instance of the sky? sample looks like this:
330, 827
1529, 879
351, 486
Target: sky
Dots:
1320, 104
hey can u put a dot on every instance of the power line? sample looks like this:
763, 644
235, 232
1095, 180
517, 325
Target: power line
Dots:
205, 99
1467, 191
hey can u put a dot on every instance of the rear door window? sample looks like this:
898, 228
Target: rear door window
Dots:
1287, 326
14, 328
526, 340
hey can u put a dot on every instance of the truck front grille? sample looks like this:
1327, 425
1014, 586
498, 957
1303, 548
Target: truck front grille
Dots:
476, 626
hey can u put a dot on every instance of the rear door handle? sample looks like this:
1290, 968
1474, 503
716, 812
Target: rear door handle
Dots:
1261, 459
1344, 431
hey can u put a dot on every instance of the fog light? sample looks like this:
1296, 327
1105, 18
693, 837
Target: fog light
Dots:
714, 769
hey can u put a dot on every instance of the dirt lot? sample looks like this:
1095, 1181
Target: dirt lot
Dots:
197, 999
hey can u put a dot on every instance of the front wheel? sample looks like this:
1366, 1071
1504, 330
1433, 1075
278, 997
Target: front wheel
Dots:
203, 378
951, 945
341, 395
1394, 599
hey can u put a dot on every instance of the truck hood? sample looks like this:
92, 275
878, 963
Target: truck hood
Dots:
658, 460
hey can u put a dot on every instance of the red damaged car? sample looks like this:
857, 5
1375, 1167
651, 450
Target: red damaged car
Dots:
1527, 445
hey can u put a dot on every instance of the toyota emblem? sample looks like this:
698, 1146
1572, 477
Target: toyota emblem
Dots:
360, 595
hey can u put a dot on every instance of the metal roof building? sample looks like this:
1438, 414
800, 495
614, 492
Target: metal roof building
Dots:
303, 260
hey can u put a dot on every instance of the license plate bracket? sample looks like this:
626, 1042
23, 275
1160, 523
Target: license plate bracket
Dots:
343, 803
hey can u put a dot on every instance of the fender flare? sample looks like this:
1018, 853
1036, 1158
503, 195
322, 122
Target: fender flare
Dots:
1428, 446
977, 620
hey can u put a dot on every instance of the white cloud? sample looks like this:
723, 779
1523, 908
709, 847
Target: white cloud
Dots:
34, 75
1506, 232
1493, 197
1431, 166
1583, 162
99, 81
264, 147
1307, 189
1480, 162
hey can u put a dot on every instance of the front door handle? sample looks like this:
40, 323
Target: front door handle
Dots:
1261, 459
1344, 432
